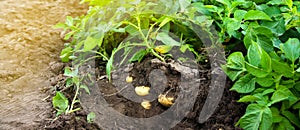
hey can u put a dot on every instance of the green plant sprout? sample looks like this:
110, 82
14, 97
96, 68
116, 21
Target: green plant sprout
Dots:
60, 102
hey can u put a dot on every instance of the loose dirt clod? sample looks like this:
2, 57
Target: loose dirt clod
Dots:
28, 43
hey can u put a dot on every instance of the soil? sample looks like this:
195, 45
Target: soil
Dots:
28, 44
225, 116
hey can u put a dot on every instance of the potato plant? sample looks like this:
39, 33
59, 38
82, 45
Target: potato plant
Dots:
108, 23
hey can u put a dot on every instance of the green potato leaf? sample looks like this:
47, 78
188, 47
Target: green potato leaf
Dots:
282, 68
236, 61
225, 2
184, 4
272, 11
109, 66
167, 40
258, 72
86, 88
69, 21
256, 15
289, 3
277, 27
90, 43
279, 95
239, 14
165, 21
68, 72
235, 65
91, 117
138, 56
256, 117
285, 124
232, 25
61, 25
254, 54
265, 82
66, 53
292, 118
259, 61
268, 91
60, 102
231, 73
291, 49
248, 98
276, 2
283, 93
276, 115
245, 84
131, 30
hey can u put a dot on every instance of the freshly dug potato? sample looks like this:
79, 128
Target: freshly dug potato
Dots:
129, 79
146, 104
165, 101
142, 90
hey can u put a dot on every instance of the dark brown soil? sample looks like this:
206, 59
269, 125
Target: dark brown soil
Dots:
224, 118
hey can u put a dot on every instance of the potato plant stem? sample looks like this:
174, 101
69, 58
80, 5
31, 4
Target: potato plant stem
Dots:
146, 40
74, 101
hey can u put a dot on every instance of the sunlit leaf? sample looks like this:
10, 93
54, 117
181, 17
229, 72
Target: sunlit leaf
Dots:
60, 25
167, 40
256, 15
248, 98
165, 21
291, 49
163, 49
65, 53
131, 29
184, 4
239, 14
69, 21
90, 43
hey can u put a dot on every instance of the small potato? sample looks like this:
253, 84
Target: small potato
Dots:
129, 79
165, 101
146, 104
142, 90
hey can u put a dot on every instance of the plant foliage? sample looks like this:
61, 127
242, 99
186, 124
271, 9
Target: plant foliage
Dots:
266, 74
